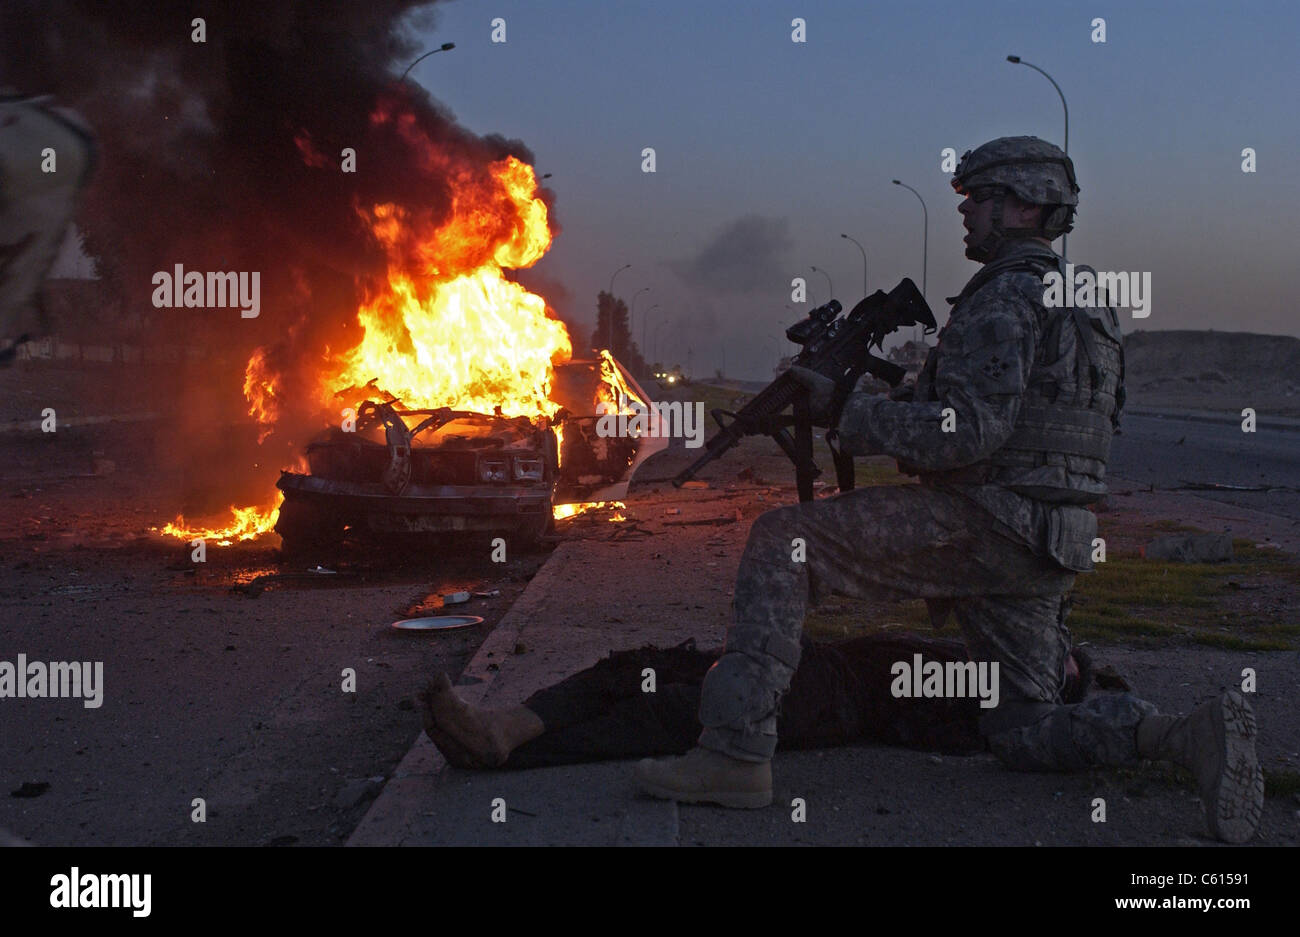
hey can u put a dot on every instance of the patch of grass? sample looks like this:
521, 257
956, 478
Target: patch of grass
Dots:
1231, 642
1278, 629
1168, 526
1120, 623
1132, 598
1129, 600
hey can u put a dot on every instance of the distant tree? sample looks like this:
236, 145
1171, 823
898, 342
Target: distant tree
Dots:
620, 343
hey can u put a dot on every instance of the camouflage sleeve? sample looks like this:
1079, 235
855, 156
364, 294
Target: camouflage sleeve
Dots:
985, 354
904, 391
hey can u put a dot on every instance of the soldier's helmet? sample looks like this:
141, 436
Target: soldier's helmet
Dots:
1038, 172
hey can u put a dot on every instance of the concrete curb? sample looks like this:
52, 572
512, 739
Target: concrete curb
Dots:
423, 777
31, 426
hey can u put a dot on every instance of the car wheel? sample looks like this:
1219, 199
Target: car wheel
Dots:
531, 530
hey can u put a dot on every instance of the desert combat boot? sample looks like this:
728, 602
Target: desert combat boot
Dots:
1216, 742
702, 776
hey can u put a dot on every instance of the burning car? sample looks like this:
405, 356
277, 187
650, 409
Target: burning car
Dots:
471, 414
440, 470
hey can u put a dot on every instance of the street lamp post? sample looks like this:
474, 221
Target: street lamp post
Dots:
609, 326
864, 262
829, 284
925, 236
631, 313
615, 276
445, 47
1017, 60
645, 317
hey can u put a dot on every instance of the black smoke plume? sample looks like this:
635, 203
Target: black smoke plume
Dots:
225, 155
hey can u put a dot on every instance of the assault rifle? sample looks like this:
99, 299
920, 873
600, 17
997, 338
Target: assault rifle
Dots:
835, 347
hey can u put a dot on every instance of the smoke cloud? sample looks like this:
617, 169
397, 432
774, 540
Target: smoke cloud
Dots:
225, 155
747, 255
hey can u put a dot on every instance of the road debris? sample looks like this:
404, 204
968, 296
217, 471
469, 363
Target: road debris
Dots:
31, 789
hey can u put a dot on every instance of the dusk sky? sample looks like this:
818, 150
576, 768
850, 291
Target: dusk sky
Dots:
768, 149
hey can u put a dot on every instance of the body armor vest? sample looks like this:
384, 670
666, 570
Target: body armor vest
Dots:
1060, 443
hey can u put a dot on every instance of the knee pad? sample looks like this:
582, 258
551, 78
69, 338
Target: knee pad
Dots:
737, 692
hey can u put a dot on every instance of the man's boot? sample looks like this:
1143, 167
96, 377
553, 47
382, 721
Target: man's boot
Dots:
703, 776
1216, 742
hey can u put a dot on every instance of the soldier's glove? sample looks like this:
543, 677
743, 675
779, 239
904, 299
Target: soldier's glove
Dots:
821, 393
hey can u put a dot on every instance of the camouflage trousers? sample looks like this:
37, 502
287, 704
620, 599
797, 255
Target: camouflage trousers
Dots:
892, 543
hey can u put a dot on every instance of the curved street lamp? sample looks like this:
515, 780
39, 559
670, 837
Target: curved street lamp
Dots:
631, 313
609, 326
645, 317
864, 262
829, 284
925, 237
1017, 60
615, 276
445, 47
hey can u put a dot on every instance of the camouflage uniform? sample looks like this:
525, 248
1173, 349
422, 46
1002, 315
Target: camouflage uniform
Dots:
995, 532
36, 207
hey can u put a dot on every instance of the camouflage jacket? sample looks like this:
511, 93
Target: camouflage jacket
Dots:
965, 405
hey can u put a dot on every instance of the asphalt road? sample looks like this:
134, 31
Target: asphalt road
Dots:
207, 692
1172, 451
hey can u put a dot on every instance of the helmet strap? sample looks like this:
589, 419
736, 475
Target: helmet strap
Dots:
987, 249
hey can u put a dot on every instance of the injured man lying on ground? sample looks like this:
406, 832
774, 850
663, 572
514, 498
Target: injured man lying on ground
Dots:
840, 695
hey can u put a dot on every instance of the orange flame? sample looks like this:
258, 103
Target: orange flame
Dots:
562, 511
448, 329
613, 389
445, 328
249, 523
261, 390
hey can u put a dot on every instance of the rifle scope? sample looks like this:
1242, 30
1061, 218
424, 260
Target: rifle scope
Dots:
801, 333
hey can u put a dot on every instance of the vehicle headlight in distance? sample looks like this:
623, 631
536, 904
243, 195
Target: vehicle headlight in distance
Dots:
528, 470
492, 470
